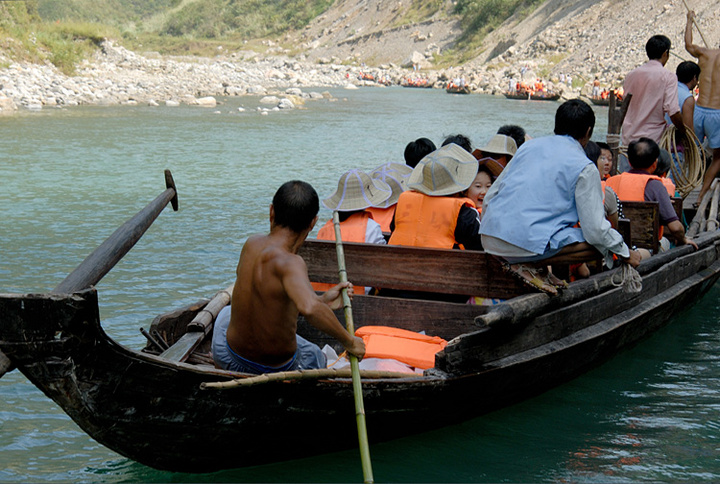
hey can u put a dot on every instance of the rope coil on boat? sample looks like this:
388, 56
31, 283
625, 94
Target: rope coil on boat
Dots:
321, 373
691, 172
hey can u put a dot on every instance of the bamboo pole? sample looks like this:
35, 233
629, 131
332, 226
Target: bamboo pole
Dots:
712, 223
697, 26
698, 221
316, 374
355, 368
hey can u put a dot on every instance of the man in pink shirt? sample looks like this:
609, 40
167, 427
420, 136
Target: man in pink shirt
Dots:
650, 92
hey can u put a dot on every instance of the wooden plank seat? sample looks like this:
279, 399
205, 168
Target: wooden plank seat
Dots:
645, 224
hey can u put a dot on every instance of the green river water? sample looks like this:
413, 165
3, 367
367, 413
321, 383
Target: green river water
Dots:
69, 177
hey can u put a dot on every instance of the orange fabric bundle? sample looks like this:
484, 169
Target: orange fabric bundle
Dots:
412, 348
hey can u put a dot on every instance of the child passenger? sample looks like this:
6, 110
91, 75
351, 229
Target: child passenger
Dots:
479, 187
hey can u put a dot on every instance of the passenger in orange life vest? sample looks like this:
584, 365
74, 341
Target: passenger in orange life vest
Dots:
356, 191
396, 176
459, 139
497, 153
433, 213
639, 184
662, 170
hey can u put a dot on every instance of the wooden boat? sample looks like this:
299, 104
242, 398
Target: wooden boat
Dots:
453, 89
533, 97
600, 101
170, 409
419, 83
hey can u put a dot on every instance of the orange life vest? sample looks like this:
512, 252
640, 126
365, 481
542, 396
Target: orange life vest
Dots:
669, 185
603, 185
351, 230
412, 348
425, 221
383, 216
630, 187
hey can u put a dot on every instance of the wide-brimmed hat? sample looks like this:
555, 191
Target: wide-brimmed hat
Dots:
500, 144
357, 191
396, 176
494, 166
445, 171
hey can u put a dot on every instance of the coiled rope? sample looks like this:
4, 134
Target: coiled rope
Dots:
630, 279
692, 170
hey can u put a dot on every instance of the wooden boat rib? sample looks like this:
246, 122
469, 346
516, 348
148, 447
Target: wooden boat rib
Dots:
155, 410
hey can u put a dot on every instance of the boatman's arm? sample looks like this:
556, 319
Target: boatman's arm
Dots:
694, 50
314, 308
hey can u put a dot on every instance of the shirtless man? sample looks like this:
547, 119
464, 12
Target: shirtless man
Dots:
707, 109
257, 333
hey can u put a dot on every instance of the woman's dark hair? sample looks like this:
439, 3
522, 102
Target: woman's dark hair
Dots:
459, 139
296, 204
574, 118
657, 46
592, 151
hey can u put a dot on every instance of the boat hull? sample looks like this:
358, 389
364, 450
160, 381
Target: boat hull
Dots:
154, 411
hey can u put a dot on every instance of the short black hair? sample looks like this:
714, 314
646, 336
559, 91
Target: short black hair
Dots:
514, 131
642, 153
592, 151
657, 46
686, 71
574, 118
603, 145
296, 204
417, 150
459, 139
664, 162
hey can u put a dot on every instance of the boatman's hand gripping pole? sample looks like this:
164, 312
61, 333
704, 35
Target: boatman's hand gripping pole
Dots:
357, 388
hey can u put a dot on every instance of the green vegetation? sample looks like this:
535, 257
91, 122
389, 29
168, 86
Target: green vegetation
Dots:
23, 36
419, 11
241, 19
480, 17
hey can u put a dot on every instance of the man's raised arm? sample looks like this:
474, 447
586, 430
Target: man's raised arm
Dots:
693, 49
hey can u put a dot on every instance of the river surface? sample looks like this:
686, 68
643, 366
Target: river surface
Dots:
69, 177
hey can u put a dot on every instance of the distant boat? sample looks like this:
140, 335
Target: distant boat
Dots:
453, 89
420, 83
600, 101
533, 97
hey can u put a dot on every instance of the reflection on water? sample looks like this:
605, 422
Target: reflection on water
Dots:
70, 177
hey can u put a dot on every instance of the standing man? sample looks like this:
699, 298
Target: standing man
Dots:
707, 109
257, 333
651, 91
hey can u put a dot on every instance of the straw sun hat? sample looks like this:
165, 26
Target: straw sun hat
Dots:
357, 191
445, 171
501, 145
498, 145
396, 176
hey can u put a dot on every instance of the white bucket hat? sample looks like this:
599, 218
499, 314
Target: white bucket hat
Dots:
396, 177
445, 171
357, 191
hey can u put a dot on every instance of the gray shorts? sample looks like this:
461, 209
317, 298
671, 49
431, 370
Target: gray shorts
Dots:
307, 356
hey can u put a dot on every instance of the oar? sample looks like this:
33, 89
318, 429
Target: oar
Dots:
109, 253
355, 369
697, 26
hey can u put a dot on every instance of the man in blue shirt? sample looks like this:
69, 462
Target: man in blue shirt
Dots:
532, 210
